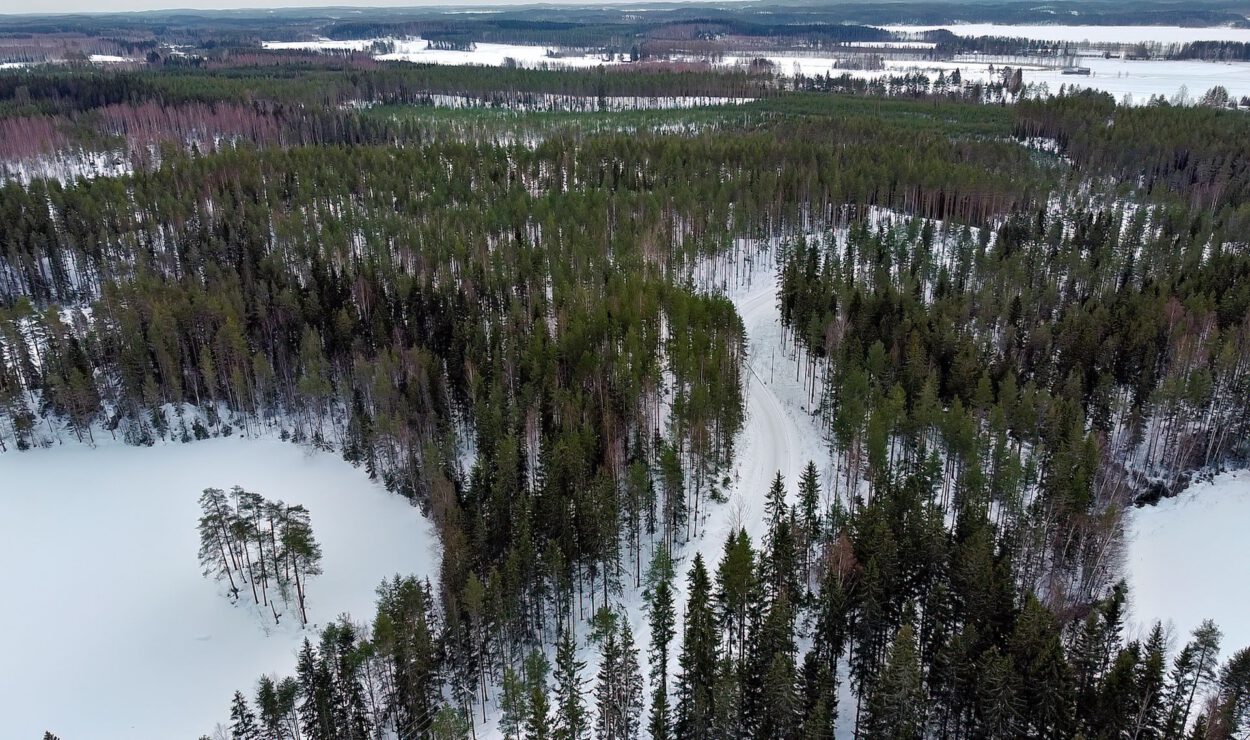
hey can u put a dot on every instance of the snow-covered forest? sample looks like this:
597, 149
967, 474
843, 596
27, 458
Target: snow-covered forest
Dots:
787, 414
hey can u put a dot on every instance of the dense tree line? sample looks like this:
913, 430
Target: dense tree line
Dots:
1052, 371
1199, 157
885, 621
1214, 51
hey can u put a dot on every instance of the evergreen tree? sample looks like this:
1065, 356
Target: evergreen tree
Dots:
514, 705
662, 619
896, 708
537, 722
1192, 671
570, 722
696, 681
242, 721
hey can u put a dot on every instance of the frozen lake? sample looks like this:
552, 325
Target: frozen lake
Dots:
1141, 79
113, 631
1092, 34
1186, 560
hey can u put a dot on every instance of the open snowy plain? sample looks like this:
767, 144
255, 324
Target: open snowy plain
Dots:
115, 632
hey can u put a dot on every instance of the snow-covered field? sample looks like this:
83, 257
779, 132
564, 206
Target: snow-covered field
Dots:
113, 631
1092, 34
414, 50
1186, 560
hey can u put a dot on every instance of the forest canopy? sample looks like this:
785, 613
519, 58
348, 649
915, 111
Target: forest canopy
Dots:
519, 319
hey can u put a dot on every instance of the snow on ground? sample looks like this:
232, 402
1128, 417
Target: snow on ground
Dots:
1093, 34
1186, 560
1140, 79
1120, 77
1145, 78
109, 59
320, 45
415, 50
68, 166
778, 436
114, 631
493, 55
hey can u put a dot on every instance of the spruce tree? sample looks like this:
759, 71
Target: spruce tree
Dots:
537, 721
242, 721
570, 722
696, 681
896, 708
662, 619
513, 705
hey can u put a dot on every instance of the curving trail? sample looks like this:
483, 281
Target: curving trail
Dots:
778, 435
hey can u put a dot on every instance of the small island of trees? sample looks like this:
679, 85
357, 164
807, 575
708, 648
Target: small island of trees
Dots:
262, 545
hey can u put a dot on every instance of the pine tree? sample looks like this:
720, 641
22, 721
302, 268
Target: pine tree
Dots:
218, 554
303, 553
1231, 714
315, 718
631, 684
735, 585
1148, 724
1193, 670
618, 690
269, 705
809, 511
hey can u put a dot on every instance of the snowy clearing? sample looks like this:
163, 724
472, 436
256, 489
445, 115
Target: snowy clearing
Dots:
101, 546
1092, 34
1186, 560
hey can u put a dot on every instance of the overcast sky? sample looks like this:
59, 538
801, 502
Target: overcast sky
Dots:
106, 6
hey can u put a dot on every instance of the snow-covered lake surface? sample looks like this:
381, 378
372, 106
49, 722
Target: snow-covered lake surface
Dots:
1141, 79
1186, 560
113, 631
1120, 77
1093, 34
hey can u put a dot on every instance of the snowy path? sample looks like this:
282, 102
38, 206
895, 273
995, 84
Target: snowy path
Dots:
779, 435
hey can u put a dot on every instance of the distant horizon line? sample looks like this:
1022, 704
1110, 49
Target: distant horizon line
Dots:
406, 4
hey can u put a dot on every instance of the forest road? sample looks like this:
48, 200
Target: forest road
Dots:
776, 437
